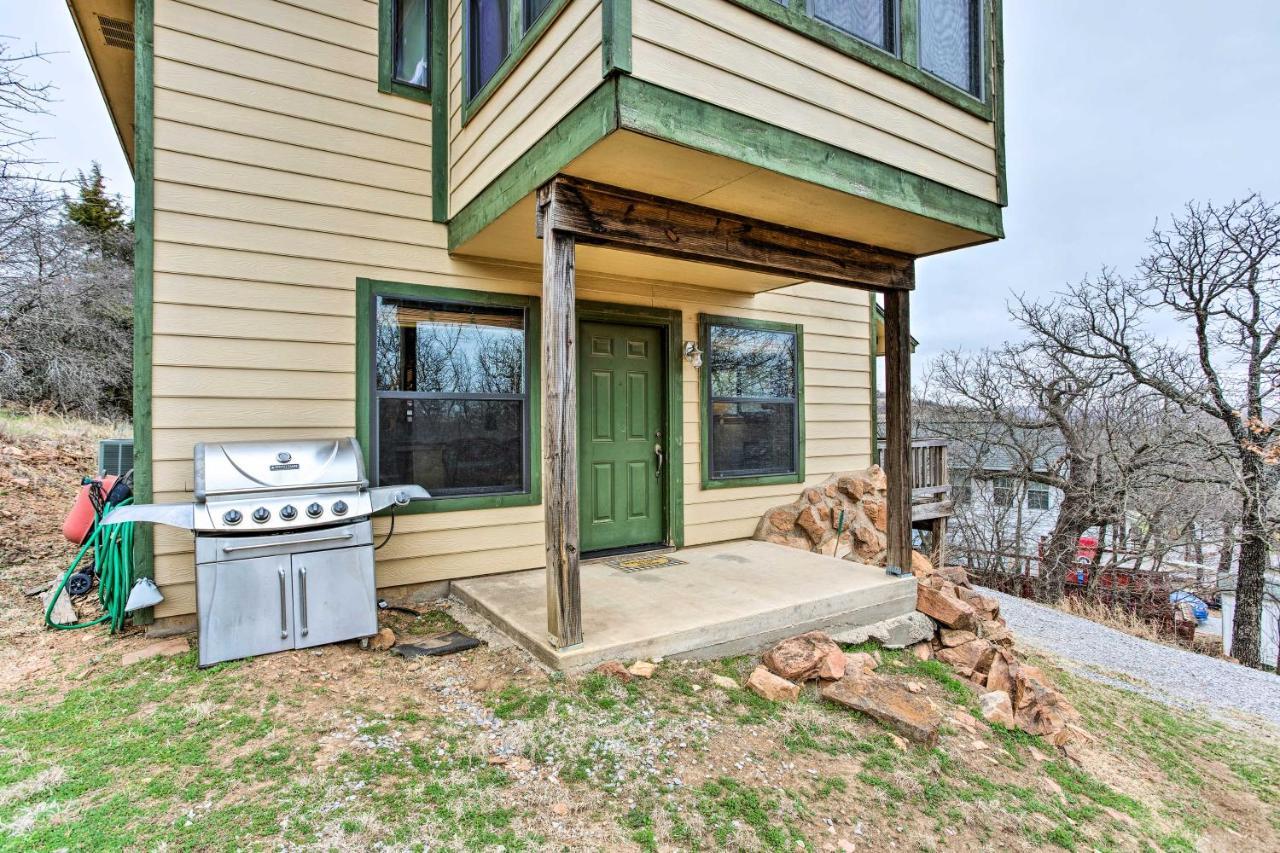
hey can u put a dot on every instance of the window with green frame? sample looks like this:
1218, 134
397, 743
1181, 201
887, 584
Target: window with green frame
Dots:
753, 415
936, 45
450, 386
496, 34
404, 48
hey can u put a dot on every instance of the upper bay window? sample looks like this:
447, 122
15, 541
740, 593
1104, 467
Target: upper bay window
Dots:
488, 40
873, 21
404, 48
451, 395
752, 387
951, 42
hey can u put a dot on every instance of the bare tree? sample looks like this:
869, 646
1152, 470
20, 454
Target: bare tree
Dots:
1198, 325
1060, 421
65, 286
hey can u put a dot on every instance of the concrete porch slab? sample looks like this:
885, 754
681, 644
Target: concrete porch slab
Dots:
730, 598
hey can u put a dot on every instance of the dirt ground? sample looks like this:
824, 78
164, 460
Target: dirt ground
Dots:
345, 748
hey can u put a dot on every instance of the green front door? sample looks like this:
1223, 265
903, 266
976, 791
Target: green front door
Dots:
620, 419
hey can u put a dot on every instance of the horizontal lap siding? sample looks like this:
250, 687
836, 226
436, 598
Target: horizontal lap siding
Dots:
279, 183
561, 69
726, 55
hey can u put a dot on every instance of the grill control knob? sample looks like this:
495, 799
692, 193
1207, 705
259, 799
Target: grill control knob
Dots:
231, 516
340, 508
288, 512
314, 510
261, 514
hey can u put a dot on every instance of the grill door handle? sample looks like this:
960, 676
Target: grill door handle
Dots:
284, 607
227, 549
302, 580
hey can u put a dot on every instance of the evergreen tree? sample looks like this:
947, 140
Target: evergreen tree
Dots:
97, 212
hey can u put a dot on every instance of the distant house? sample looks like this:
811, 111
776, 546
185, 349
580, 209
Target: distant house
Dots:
1269, 647
988, 493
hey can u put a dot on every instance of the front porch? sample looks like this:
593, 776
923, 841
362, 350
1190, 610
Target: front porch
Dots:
726, 599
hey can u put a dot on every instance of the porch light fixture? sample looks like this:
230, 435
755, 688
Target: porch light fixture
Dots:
692, 354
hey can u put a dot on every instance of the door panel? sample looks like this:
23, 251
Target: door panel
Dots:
621, 416
245, 608
334, 596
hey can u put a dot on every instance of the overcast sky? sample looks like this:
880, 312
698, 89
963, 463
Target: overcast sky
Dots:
1118, 113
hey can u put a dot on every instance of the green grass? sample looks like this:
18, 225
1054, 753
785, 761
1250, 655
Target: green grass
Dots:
162, 754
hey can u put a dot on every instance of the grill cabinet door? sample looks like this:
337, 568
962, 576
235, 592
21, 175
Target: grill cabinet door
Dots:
244, 607
334, 596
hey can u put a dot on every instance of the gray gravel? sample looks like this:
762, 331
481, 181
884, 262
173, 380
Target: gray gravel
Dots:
1163, 673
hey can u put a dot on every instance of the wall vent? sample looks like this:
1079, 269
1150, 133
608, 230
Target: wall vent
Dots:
116, 32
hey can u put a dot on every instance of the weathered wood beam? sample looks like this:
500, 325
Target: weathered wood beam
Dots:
897, 456
560, 430
625, 219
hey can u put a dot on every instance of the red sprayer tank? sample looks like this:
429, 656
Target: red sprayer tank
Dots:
80, 520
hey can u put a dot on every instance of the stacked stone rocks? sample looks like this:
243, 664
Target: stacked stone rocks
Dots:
976, 642
846, 516
812, 522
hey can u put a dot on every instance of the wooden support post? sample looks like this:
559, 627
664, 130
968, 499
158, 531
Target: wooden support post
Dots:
938, 542
560, 430
897, 453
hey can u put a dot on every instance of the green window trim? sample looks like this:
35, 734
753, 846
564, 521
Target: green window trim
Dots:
522, 42
705, 322
366, 291
904, 63
387, 82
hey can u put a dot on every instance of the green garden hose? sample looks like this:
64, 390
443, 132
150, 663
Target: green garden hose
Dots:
112, 546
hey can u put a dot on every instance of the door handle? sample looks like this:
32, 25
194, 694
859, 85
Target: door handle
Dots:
302, 580
657, 449
284, 608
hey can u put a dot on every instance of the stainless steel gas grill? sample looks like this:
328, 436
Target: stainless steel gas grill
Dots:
284, 545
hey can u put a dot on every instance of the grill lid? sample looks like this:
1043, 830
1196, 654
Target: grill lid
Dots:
248, 467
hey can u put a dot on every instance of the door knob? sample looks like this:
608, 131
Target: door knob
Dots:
657, 449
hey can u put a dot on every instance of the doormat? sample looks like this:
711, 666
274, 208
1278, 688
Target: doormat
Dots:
441, 644
643, 562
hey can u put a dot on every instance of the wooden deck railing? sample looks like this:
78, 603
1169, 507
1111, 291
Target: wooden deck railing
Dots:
930, 480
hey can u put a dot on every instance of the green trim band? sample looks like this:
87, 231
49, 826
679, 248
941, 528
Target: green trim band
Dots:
662, 113
143, 282
524, 42
672, 324
795, 18
997, 97
365, 291
616, 37
439, 114
586, 124
386, 54
705, 322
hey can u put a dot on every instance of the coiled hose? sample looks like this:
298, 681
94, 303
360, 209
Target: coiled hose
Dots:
112, 546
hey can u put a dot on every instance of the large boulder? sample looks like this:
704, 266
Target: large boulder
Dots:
805, 657
997, 708
765, 684
890, 703
943, 608
969, 658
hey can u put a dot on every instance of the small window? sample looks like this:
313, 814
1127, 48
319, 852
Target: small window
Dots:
1003, 490
872, 21
451, 396
1038, 497
533, 10
489, 42
404, 48
753, 382
951, 42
